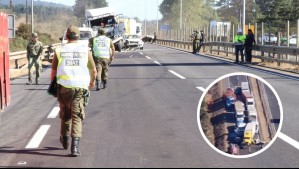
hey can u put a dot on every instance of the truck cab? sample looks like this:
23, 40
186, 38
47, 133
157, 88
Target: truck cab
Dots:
106, 19
249, 133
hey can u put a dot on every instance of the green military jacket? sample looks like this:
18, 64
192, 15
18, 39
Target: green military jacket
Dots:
35, 49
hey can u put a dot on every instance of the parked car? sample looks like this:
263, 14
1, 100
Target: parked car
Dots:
85, 35
273, 38
133, 41
293, 40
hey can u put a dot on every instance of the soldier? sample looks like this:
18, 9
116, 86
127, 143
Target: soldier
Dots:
35, 51
103, 54
75, 71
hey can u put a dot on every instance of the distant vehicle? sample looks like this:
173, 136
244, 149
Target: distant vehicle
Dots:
230, 101
249, 133
273, 38
240, 128
293, 40
106, 19
85, 35
247, 98
252, 117
133, 41
148, 38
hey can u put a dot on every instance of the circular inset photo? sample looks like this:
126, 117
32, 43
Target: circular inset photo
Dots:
240, 115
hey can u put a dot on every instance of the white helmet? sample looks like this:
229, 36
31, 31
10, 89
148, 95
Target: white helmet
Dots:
239, 31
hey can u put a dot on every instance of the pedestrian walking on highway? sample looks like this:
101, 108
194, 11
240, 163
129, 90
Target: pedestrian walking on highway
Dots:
194, 41
248, 45
75, 70
103, 54
35, 51
201, 40
239, 45
155, 38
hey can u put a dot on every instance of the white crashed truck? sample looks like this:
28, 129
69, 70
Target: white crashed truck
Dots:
107, 19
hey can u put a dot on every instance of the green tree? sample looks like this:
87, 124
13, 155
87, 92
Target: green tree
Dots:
24, 31
196, 13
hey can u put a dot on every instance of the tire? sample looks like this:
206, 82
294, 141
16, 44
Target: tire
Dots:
119, 46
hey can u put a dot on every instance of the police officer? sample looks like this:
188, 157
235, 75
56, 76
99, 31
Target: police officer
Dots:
201, 40
239, 45
248, 45
35, 51
103, 54
155, 38
194, 41
75, 70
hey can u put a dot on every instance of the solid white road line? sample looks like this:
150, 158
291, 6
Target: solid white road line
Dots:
176, 74
148, 58
289, 140
54, 113
158, 63
201, 88
38, 137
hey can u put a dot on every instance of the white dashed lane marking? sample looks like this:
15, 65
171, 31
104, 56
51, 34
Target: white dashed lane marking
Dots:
201, 88
148, 57
176, 74
158, 63
38, 137
54, 113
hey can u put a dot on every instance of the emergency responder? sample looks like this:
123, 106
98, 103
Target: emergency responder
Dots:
155, 38
239, 45
35, 51
103, 54
194, 41
75, 71
248, 45
201, 40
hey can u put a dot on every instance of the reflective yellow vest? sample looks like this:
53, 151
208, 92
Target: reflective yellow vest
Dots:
72, 70
101, 47
239, 39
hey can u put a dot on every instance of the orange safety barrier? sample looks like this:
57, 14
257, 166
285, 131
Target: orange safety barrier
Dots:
4, 62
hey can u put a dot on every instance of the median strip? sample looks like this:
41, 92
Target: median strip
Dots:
289, 140
38, 137
54, 113
176, 74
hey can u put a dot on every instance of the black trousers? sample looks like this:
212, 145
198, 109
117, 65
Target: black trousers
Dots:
248, 54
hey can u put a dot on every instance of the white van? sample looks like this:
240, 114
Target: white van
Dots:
85, 35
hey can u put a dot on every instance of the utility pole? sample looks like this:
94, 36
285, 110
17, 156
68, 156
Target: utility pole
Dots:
244, 17
157, 16
32, 27
181, 15
145, 19
10, 4
26, 12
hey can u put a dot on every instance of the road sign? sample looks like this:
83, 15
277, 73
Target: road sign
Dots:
11, 26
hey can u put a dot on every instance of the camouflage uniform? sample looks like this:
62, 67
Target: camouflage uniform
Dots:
35, 51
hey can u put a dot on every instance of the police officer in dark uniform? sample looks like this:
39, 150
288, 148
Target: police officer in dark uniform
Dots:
201, 40
194, 41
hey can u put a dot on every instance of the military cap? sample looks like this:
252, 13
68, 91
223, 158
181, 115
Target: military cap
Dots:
73, 31
34, 34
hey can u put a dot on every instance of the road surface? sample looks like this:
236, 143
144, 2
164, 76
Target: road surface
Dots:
145, 118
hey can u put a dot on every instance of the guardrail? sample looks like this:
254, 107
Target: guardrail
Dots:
22, 55
278, 54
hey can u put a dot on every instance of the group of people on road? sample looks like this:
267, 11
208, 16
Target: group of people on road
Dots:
197, 42
77, 69
241, 41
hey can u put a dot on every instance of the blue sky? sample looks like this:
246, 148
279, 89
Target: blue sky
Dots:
130, 8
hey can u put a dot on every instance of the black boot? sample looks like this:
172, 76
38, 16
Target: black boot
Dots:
75, 147
98, 85
104, 84
64, 140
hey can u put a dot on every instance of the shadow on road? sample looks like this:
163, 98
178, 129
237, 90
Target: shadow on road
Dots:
43, 152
